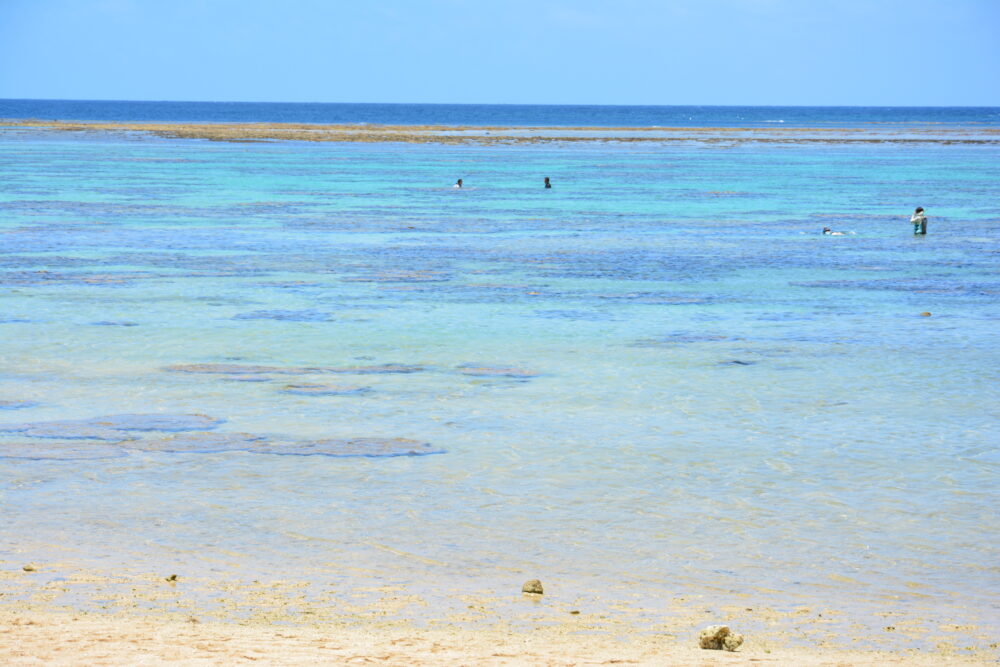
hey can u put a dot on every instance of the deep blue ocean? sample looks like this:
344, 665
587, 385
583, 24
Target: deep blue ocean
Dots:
495, 114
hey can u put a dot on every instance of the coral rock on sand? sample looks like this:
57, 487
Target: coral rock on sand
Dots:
719, 637
534, 587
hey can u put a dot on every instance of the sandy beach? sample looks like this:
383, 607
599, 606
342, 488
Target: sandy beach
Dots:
53, 639
68, 616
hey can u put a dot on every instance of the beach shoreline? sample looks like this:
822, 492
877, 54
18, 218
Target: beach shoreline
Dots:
59, 614
96, 639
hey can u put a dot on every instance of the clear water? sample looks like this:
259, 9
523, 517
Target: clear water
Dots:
687, 389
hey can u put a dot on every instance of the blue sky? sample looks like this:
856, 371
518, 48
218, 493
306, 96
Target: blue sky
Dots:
822, 52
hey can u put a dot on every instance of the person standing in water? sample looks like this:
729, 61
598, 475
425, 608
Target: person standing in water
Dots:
919, 221
458, 183
548, 185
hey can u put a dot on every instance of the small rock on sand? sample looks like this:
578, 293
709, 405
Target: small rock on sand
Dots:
29, 568
534, 587
718, 637
733, 641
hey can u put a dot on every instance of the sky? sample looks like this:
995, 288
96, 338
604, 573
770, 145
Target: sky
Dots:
726, 52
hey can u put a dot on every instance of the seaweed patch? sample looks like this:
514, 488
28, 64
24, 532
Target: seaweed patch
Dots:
233, 370
16, 405
354, 447
202, 443
113, 428
376, 370
159, 422
286, 315
246, 378
68, 430
45, 278
59, 451
584, 315
323, 390
682, 338
238, 369
476, 370
399, 277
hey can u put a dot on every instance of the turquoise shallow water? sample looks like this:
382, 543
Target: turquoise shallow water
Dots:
658, 373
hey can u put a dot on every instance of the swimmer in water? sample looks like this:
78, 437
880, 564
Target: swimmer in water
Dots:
919, 221
458, 183
548, 185
829, 232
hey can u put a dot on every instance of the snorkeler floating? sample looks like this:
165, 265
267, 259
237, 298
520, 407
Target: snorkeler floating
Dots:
548, 183
827, 231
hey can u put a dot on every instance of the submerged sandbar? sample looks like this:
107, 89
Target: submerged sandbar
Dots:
488, 135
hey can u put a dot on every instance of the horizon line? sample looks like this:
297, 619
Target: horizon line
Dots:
510, 104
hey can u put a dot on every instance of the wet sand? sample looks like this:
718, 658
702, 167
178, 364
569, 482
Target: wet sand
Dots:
726, 136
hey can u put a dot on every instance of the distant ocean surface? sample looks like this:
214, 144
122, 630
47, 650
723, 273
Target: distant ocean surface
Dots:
495, 114
320, 362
